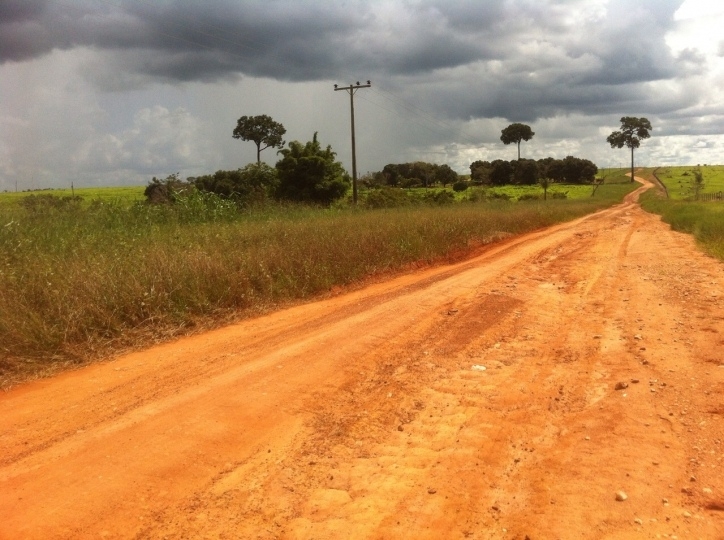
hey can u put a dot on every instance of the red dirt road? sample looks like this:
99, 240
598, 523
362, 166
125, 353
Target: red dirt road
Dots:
363, 416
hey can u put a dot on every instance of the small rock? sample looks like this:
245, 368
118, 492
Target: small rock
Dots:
638, 337
452, 312
477, 367
686, 514
707, 490
686, 490
665, 500
597, 336
638, 521
621, 496
621, 385
432, 491
635, 381
692, 478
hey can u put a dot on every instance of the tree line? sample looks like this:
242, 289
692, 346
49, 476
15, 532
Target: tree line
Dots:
310, 173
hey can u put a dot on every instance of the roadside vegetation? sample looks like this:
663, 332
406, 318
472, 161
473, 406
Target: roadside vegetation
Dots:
703, 219
85, 273
80, 280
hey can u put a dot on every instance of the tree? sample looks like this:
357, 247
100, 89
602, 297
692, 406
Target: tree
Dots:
632, 131
480, 172
261, 129
308, 173
515, 133
500, 172
445, 175
525, 172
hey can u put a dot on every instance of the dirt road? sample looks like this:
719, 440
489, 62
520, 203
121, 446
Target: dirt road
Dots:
477, 401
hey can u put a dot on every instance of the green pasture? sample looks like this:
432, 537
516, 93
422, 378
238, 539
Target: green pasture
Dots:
679, 180
127, 194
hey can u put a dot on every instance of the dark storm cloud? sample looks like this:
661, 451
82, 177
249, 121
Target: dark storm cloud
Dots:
552, 57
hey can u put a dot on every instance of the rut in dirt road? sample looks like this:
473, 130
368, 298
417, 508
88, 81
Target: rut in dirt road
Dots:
509, 396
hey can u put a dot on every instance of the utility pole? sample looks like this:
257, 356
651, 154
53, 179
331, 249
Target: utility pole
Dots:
352, 88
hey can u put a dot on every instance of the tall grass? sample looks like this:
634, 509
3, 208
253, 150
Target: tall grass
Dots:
79, 281
703, 220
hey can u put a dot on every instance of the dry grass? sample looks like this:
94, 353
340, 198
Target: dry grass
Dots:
78, 282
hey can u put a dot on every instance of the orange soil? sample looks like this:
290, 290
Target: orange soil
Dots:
363, 416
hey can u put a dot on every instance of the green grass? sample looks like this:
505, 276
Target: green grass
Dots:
78, 282
703, 220
126, 194
678, 180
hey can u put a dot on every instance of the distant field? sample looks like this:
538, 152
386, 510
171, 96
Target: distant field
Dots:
678, 180
515, 192
122, 194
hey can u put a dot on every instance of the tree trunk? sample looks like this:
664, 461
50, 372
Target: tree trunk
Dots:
518, 150
632, 164
258, 154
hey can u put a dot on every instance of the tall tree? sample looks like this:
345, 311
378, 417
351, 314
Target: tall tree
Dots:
263, 130
515, 133
632, 131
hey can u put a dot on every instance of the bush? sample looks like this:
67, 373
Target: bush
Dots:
309, 174
529, 197
558, 195
45, 202
165, 191
251, 185
439, 198
387, 198
460, 185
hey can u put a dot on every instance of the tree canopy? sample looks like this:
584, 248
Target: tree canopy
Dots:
632, 131
515, 133
252, 184
263, 130
309, 173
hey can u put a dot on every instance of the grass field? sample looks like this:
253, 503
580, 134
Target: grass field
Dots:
126, 194
704, 220
79, 282
678, 180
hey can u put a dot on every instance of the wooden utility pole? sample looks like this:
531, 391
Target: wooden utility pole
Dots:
352, 88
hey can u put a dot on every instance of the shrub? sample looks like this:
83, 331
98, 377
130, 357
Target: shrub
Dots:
529, 197
460, 185
387, 197
308, 173
439, 198
165, 191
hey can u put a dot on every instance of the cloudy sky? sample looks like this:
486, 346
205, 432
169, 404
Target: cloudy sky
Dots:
113, 92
